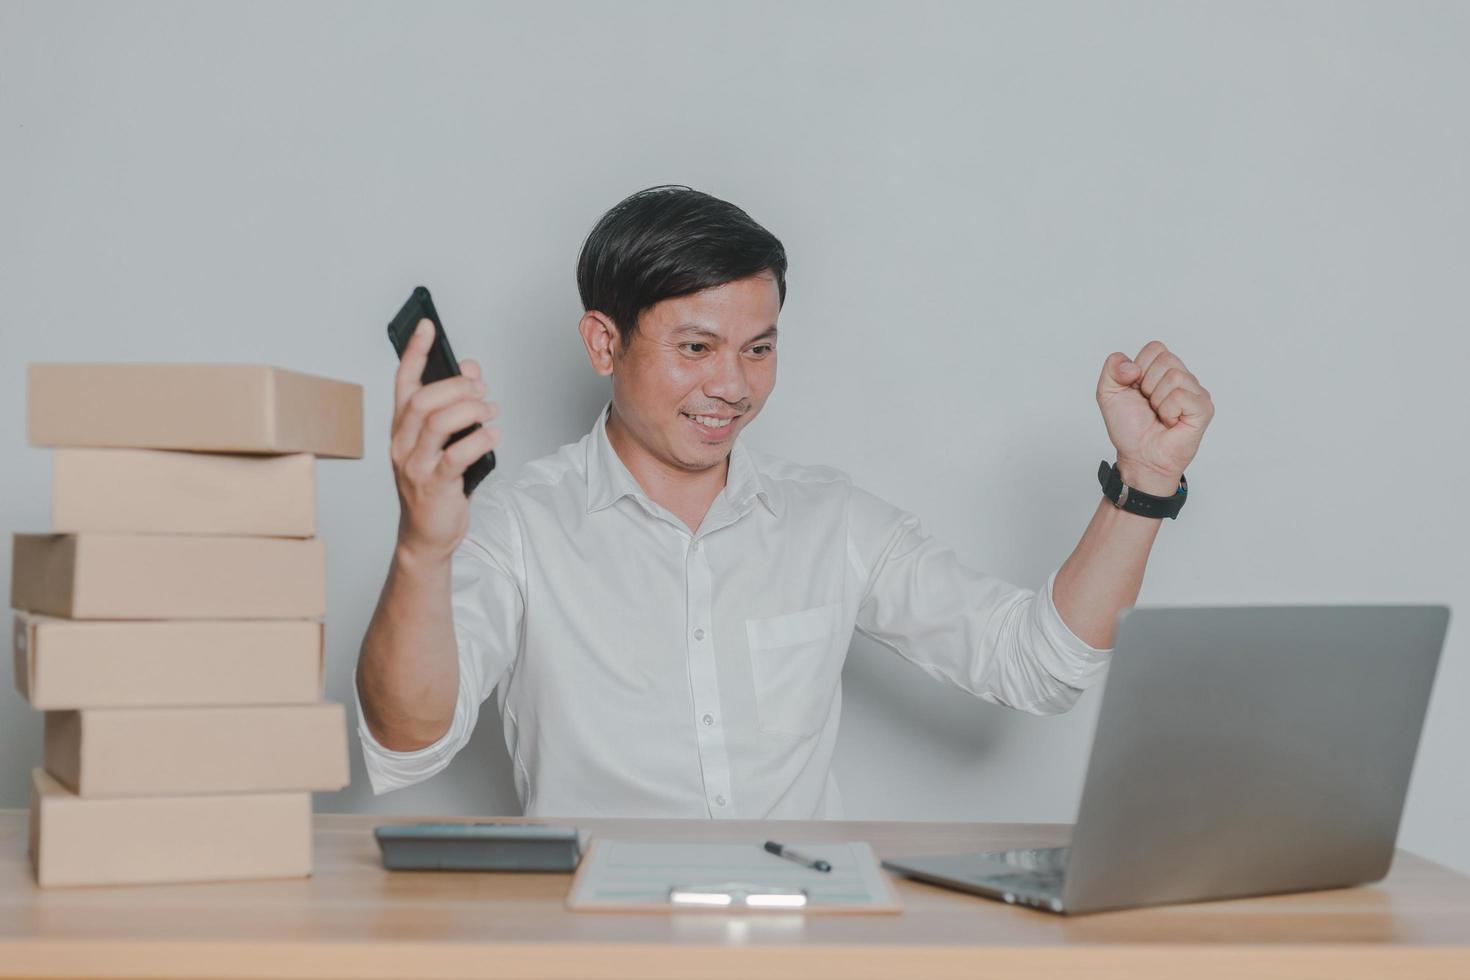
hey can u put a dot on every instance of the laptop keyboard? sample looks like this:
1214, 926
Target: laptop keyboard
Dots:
1040, 873
1045, 859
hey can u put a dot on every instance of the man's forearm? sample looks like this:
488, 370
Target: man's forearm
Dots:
408, 668
1155, 411
1104, 574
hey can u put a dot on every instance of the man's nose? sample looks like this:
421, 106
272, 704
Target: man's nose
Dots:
727, 382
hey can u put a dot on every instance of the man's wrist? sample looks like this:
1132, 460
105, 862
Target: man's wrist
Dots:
418, 562
1151, 481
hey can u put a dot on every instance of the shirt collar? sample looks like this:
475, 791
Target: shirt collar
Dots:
608, 479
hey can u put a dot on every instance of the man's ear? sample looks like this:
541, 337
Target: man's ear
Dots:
600, 336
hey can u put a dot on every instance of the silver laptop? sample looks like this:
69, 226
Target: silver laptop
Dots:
1239, 751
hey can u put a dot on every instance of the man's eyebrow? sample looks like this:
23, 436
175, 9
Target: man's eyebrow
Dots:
695, 330
767, 334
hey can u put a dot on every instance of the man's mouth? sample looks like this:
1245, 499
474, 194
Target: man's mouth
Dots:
715, 425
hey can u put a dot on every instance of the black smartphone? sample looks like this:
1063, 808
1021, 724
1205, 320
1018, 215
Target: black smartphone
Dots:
440, 365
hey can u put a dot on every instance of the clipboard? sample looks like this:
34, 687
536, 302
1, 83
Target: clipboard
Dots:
641, 876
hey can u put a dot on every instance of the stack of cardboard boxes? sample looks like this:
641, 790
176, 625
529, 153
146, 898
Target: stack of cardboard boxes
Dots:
170, 625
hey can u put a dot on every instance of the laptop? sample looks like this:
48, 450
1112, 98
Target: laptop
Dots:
1238, 751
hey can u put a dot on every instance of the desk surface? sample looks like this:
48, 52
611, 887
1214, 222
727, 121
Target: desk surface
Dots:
352, 918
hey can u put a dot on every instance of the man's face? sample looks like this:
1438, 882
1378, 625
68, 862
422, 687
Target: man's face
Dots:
698, 370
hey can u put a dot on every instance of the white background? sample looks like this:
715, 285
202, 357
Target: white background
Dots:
980, 203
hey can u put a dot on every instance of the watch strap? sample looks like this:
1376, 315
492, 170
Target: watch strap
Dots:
1135, 501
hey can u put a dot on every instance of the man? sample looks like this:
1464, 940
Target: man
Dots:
662, 612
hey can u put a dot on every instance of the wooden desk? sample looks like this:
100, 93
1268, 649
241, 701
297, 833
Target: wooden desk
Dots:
353, 919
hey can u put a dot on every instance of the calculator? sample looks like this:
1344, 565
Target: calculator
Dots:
479, 847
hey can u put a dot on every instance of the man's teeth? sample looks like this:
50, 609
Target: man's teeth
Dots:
710, 421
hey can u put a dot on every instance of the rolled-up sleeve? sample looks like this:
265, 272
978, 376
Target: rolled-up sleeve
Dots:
1002, 643
488, 607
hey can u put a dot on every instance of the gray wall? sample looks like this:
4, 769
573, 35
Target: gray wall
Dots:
980, 202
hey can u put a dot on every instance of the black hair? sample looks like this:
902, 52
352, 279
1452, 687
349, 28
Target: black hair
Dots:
670, 241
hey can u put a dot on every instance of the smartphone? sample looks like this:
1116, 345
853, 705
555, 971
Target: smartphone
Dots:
440, 365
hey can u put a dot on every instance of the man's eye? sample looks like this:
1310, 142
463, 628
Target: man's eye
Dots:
690, 348
762, 349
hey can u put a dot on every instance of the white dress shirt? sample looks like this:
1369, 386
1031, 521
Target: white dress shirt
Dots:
645, 671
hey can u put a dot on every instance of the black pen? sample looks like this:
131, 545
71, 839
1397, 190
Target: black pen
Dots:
790, 855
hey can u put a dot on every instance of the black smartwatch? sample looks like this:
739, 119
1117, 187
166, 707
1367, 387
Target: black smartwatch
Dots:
1135, 501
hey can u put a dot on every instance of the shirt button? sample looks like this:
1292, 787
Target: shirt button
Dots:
694, 546
719, 801
699, 634
708, 719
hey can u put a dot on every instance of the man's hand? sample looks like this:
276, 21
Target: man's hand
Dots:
1156, 413
434, 513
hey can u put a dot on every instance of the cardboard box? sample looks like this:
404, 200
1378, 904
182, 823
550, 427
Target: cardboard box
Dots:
105, 752
168, 576
192, 838
231, 408
68, 663
153, 491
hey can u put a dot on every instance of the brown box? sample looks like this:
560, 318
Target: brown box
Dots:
105, 752
69, 663
163, 492
168, 576
231, 408
165, 839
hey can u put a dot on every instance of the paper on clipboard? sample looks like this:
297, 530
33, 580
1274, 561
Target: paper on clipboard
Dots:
635, 876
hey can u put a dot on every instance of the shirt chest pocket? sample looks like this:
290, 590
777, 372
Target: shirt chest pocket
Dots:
796, 666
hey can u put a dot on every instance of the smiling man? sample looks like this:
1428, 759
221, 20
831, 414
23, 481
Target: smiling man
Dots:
662, 612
